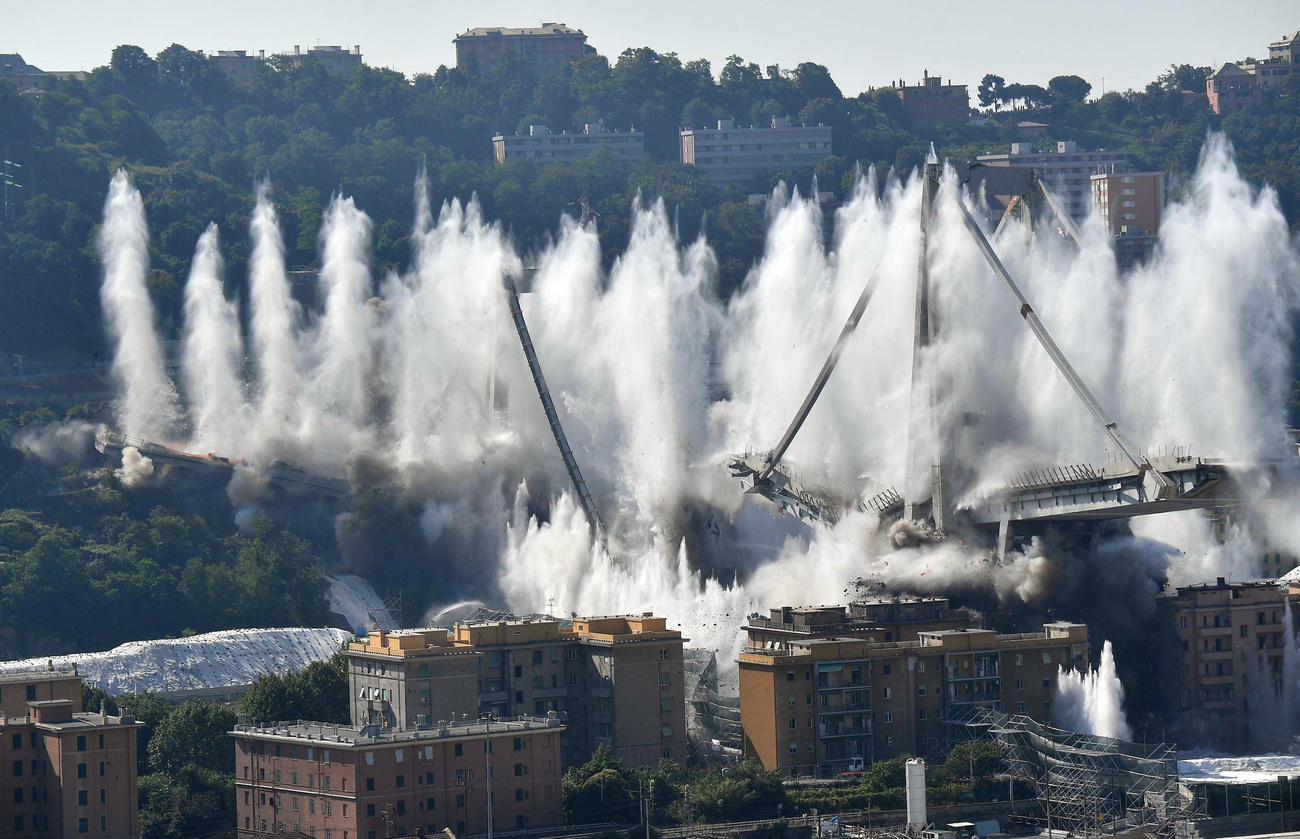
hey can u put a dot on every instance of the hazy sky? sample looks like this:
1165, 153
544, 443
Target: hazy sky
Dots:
1112, 43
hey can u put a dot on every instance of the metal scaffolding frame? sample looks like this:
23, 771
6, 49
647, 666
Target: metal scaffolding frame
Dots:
1087, 785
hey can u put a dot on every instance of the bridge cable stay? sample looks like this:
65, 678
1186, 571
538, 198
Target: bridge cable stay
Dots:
552, 417
822, 377
1062, 363
1067, 223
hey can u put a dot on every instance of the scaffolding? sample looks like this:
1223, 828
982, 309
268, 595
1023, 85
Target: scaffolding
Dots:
1090, 786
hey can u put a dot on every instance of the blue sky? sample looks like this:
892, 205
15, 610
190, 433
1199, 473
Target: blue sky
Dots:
1117, 44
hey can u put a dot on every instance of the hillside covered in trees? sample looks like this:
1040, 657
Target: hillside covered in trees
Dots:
196, 144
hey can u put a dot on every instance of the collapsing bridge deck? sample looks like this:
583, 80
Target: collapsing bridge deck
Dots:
1060, 494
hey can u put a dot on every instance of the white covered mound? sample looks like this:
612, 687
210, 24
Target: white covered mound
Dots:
1252, 769
231, 658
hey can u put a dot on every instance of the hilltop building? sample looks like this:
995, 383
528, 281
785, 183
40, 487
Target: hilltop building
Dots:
811, 701
932, 102
731, 155
1230, 88
336, 60
338, 782
63, 772
238, 65
1283, 60
1233, 650
542, 49
540, 144
618, 681
18, 72
1067, 170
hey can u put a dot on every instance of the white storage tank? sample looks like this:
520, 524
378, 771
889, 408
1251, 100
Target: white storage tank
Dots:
915, 774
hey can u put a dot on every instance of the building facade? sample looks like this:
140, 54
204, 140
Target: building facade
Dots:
541, 145
543, 49
335, 782
617, 681
336, 60
932, 102
1129, 204
731, 155
1230, 88
1067, 170
1233, 638
238, 65
63, 772
812, 706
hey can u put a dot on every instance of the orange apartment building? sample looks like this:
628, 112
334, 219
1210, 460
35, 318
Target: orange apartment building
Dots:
63, 772
1129, 203
617, 681
1233, 648
811, 705
335, 782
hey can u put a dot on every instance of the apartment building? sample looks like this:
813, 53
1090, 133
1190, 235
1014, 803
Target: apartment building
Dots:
336, 60
1230, 88
542, 49
1233, 638
731, 155
618, 681
63, 772
813, 705
932, 102
541, 145
336, 782
1283, 60
1067, 171
1129, 204
879, 619
238, 65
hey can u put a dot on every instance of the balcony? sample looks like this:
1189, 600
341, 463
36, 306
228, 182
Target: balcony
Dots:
859, 731
849, 708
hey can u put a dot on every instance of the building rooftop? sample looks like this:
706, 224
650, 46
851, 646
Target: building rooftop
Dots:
343, 736
12, 64
38, 675
1222, 584
507, 31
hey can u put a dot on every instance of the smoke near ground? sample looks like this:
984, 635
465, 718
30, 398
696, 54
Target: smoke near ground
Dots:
414, 388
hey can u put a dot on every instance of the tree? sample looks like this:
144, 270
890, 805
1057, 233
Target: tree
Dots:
1069, 88
134, 66
194, 733
990, 90
317, 692
598, 790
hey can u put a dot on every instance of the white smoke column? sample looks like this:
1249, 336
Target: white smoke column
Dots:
1091, 702
1202, 556
147, 403
213, 353
337, 403
1209, 318
272, 329
135, 468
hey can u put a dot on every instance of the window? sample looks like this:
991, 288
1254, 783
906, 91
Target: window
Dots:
460, 749
519, 744
920, 667
401, 806
18, 764
1020, 707
293, 802
520, 770
792, 722
885, 669
460, 802
83, 798
83, 825
428, 778
370, 784
665, 704
81, 770
31, 693
789, 675
430, 804
1047, 681
920, 691
397, 755
1020, 684
888, 693
18, 795
401, 781
663, 654
18, 741
81, 742
667, 730
520, 794
889, 717
370, 758
103, 796
370, 810
794, 747
920, 713
18, 824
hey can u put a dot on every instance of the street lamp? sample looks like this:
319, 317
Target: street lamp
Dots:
487, 759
